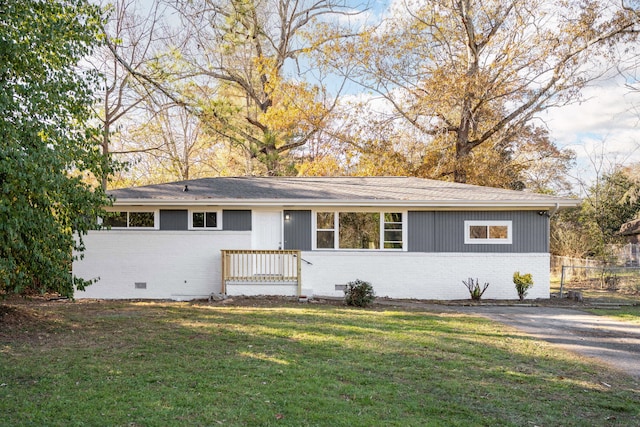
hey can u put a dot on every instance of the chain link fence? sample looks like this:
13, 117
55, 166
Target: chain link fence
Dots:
625, 280
621, 275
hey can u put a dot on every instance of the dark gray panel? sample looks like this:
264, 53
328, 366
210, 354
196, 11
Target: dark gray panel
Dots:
297, 230
236, 220
530, 231
420, 231
174, 219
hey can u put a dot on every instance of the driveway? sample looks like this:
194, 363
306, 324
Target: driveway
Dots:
612, 342
616, 343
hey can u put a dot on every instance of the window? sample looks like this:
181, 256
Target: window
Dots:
325, 230
142, 219
359, 230
487, 232
393, 231
115, 219
126, 219
205, 220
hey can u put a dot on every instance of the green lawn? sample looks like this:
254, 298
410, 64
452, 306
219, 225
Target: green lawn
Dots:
625, 313
290, 364
628, 309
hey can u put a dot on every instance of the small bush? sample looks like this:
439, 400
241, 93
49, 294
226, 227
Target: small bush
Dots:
359, 293
630, 286
474, 288
523, 282
612, 281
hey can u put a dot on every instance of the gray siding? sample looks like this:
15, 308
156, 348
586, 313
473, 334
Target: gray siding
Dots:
236, 220
174, 219
297, 230
442, 231
421, 231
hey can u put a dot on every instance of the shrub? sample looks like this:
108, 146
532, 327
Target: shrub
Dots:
523, 282
359, 293
631, 285
474, 288
612, 281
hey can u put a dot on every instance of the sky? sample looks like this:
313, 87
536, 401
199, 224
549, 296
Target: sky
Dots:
603, 129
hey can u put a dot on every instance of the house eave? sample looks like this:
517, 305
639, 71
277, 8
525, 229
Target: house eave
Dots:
416, 204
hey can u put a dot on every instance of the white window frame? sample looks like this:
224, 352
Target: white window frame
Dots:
336, 229
156, 219
469, 241
205, 211
383, 229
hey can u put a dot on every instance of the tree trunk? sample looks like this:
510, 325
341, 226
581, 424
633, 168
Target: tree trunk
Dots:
463, 148
461, 161
105, 153
270, 155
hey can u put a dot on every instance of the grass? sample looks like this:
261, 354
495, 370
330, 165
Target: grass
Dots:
290, 364
625, 313
629, 304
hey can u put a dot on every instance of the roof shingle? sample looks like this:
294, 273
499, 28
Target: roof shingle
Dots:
328, 189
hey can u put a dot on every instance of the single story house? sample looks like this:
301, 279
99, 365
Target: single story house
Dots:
408, 237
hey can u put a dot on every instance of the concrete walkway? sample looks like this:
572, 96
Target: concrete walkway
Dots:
612, 342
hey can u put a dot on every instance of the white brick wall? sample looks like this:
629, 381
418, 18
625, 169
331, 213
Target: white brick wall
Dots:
176, 265
424, 275
186, 265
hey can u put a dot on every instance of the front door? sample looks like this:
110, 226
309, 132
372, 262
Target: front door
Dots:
266, 232
266, 229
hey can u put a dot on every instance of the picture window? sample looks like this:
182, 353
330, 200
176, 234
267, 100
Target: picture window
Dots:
359, 230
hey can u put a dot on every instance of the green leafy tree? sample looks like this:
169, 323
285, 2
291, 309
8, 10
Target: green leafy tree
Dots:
590, 229
48, 153
611, 202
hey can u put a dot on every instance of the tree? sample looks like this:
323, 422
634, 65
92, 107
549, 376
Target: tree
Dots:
369, 142
170, 145
48, 150
473, 73
590, 229
544, 168
610, 203
569, 236
130, 47
247, 51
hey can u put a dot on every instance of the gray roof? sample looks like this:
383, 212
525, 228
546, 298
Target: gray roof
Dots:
326, 190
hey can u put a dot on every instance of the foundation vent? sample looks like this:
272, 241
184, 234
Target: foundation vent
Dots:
141, 285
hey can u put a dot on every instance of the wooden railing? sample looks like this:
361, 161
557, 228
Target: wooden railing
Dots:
261, 267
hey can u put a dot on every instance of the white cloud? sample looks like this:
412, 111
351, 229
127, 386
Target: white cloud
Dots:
607, 107
603, 130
